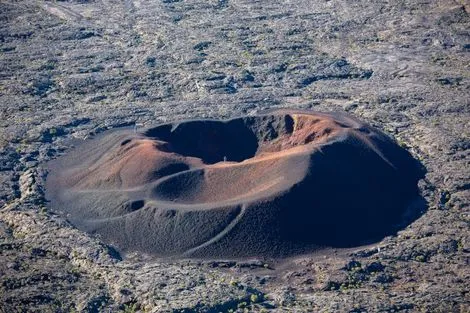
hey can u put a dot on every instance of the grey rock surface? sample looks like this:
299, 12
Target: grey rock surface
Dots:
70, 69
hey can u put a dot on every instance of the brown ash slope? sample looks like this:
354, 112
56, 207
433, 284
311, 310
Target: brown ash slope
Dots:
259, 186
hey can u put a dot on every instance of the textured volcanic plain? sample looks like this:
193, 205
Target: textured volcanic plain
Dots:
271, 185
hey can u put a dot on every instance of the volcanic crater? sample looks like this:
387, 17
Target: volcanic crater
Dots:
269, 185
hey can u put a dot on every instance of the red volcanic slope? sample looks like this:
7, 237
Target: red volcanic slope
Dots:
269, 185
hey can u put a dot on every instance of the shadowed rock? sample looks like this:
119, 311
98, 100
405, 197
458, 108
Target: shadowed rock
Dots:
269, 185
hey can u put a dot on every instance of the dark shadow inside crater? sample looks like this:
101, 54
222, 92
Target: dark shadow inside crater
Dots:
214, 141
211, 141
271, 185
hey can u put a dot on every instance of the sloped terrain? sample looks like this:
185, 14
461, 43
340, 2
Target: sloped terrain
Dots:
270, 185
73, 69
